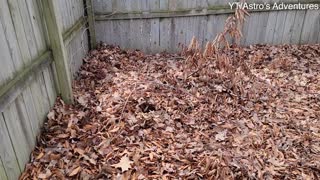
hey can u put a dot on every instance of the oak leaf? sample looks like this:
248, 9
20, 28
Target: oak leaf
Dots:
124, 164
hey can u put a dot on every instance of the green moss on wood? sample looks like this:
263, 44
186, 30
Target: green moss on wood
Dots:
24, 73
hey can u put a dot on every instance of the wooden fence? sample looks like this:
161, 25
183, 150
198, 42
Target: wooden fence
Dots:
162, 25
42, 43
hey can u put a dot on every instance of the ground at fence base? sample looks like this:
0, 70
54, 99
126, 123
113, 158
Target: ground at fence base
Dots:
159, 117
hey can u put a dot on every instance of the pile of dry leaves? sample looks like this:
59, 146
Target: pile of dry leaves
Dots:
252, 114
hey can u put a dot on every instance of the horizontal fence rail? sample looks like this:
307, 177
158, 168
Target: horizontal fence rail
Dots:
10, 91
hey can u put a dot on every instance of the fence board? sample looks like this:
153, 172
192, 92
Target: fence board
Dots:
36, 92
164, 4
315, 29
211, 28
190, 16
25, 121
31, 110
165, 26
36, 25
91, 24
19, 29
7, 152
279, 27
30, 36
58, 50
62, 15
101, 6
311, 18
68, 15
50, 87
3, 174
251, 31
45, 102
298, 25
17, 128
10, 34
76, 49
288, 26
319, 33
8, 67
154, 37
272, 20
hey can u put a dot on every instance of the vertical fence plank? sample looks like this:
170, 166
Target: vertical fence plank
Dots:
8, 67
31, 110
16, 130
30, 36
297, 27
35, 94
20, 31
9, 32
313, 38
154, 34
45, 102
279, 27
59, 52
36, 26
92, 33
310, 22
49, 81
7, 152
25, 121
288, 27
3, 174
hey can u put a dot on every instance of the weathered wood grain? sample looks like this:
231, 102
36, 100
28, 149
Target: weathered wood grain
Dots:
19, 30
14, 87
279, 27
297, 27
18, 130
154, 34
308, 29
59, 53
30, 36
36, 96
31, 110
165, 36
7, 70
25, 120
92, 32
180, 20
7, 152
8, 27
50, 86
288, 27
45, 102
3, 174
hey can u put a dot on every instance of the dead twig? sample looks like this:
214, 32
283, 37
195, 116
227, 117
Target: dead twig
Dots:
125, 104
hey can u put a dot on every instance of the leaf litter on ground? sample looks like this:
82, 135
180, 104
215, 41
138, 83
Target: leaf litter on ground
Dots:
224, 112
164, 116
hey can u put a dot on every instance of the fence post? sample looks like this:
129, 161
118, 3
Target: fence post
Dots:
92, 33
58, 51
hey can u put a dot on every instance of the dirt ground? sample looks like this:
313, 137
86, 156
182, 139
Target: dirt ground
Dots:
254, 115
